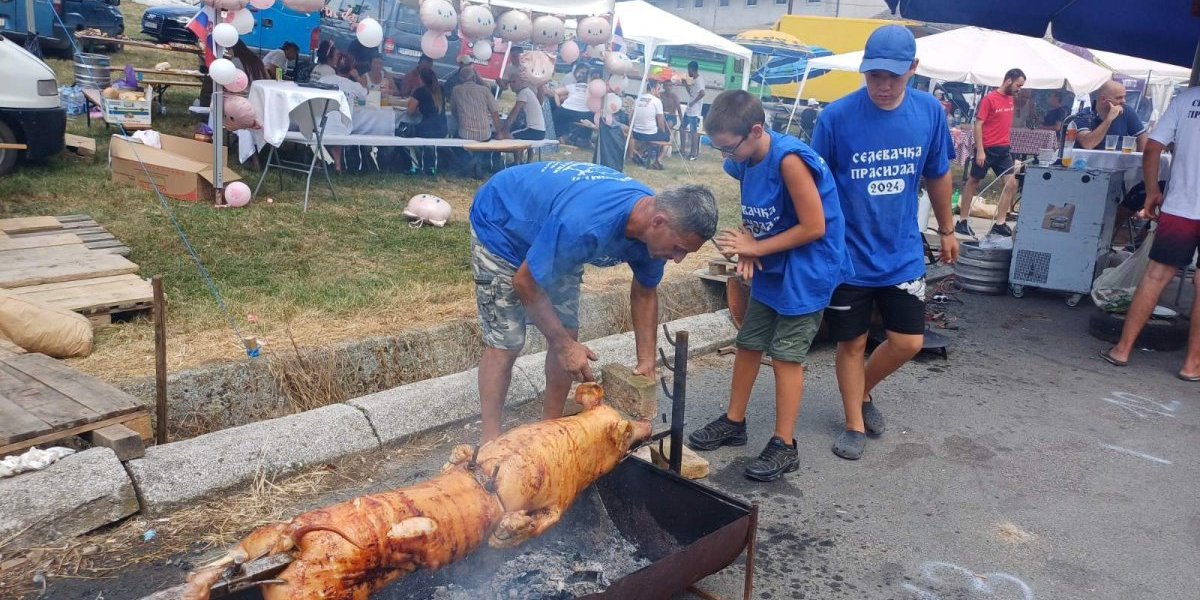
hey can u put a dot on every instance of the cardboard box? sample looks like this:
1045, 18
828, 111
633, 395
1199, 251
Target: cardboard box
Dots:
182, 168
131, 114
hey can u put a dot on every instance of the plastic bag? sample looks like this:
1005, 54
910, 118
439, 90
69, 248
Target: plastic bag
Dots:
1113, 289
32, 460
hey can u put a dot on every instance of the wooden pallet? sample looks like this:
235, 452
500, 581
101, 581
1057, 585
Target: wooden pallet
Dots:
100, 299
43, 400
89, 232
718, 270
53, 264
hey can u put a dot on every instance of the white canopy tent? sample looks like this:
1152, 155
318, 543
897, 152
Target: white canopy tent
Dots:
653, 27
558, 7
1159, 78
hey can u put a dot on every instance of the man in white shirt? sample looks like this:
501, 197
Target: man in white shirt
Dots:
1178, 236
689, 134
280, 58
650, 125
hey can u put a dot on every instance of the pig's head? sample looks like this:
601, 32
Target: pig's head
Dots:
624, 433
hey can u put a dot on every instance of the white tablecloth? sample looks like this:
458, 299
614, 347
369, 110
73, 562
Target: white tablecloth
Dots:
280, 103
1115, 160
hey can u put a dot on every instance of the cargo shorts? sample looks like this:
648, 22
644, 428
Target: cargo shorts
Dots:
500, 311
782, 337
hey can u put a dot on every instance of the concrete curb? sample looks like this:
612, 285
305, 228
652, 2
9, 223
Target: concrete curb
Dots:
70, 497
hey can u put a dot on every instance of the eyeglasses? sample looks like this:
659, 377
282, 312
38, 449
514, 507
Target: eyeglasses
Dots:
728, 151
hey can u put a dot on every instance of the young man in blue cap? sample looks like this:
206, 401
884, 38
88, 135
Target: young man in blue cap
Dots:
879, 142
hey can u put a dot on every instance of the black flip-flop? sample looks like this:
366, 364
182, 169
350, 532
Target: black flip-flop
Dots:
1112, 361
1188, 378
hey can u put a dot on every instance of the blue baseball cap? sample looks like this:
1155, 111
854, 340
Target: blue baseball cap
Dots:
890, 48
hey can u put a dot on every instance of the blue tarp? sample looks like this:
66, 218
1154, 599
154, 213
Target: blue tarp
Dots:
1162, 30
783, 70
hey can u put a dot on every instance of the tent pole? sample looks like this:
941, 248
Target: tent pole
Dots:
500, 77
799, 93
1194, 80
649, 54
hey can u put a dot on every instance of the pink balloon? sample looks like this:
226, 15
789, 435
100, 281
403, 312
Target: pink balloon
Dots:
262, 4
569, 52
237, 194
594, 103
597, 89
434, 44
240, 82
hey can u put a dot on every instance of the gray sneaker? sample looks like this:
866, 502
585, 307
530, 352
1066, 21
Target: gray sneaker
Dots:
775, 460
721, 432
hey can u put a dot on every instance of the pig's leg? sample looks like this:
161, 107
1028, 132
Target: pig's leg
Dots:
517, 527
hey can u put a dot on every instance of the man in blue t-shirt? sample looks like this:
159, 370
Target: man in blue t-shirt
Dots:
534, 227
879, 142
1110, 117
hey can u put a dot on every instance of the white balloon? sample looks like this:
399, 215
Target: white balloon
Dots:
225, 35
369, 32
438, 15
547, 30
477, 22
222, 71
242, 20
482, 50
594, 30
514, 26
617, 63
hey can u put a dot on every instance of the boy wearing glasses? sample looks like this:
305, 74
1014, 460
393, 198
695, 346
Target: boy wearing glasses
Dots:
879, 142
791, 249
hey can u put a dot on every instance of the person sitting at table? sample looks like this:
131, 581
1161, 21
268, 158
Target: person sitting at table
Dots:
1109, 117
281, 58
245, 59
475, 109
376, 80
1055, 115
573, 108
526, 121
355, 93
650, 126
412, 79
326, 57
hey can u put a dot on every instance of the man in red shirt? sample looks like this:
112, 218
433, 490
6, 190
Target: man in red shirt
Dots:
993, 125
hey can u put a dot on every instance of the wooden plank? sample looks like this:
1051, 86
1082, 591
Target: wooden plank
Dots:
78, 224
118, 250
127, 420
90, 295
125, 442
17, 424
25, 224
13, 147
83, 146
99, 397
59, 263
99, 244
94, 237
38, 241
72, 218
56, 409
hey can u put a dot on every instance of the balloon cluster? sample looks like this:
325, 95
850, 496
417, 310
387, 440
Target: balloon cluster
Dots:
439, 19
239, 21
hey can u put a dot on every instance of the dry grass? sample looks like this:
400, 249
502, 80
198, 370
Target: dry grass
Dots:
1012, 534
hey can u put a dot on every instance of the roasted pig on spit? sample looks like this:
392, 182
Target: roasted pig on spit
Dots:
509, 490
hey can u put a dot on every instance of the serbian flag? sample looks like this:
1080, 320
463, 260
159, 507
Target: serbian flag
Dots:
200, 25
618, 37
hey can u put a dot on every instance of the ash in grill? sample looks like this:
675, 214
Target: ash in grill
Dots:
582, 555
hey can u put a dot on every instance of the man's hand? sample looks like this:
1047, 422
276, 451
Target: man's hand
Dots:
746, 266
647, 367
1114, 111
980, 158
573, 358
949, 251
738, 241
1153, 208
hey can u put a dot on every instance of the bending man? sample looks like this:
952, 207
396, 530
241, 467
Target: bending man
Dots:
534, 227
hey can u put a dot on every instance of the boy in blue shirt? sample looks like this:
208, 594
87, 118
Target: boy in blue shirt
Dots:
879, 142
791, 249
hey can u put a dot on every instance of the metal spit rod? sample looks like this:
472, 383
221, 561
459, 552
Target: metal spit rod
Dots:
678, 396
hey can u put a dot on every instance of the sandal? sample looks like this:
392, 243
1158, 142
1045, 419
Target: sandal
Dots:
1188, 378
1105, 354
850, 444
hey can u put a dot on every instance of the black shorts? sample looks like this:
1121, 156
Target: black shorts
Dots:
1176, 241
999, 159
658, 136
901, 306
565, 119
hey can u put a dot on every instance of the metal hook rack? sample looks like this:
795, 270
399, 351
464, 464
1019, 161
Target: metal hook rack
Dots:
678, 394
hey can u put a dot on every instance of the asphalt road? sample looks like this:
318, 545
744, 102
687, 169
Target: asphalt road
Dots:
1022, 467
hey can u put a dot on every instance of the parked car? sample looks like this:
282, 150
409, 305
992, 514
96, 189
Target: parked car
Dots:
54, 19
402, 32
169, 23
30, 110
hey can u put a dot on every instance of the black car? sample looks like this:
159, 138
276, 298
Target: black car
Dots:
169, 23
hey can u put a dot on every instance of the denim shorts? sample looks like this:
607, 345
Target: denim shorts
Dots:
782, 337
501, 313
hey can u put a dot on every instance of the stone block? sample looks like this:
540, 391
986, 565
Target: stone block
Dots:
633, 395
182, 472
68, 498
409, 409
693, 466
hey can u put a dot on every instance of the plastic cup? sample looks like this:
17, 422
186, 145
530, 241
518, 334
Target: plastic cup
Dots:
1128, 143
1110, 142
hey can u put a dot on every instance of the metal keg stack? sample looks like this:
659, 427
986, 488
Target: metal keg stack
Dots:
92, 71
983, 270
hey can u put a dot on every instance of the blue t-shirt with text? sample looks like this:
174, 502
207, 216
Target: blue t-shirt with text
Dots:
800, 280
558, 216
878, 158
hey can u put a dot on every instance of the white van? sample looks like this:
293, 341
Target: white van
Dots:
30, 111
